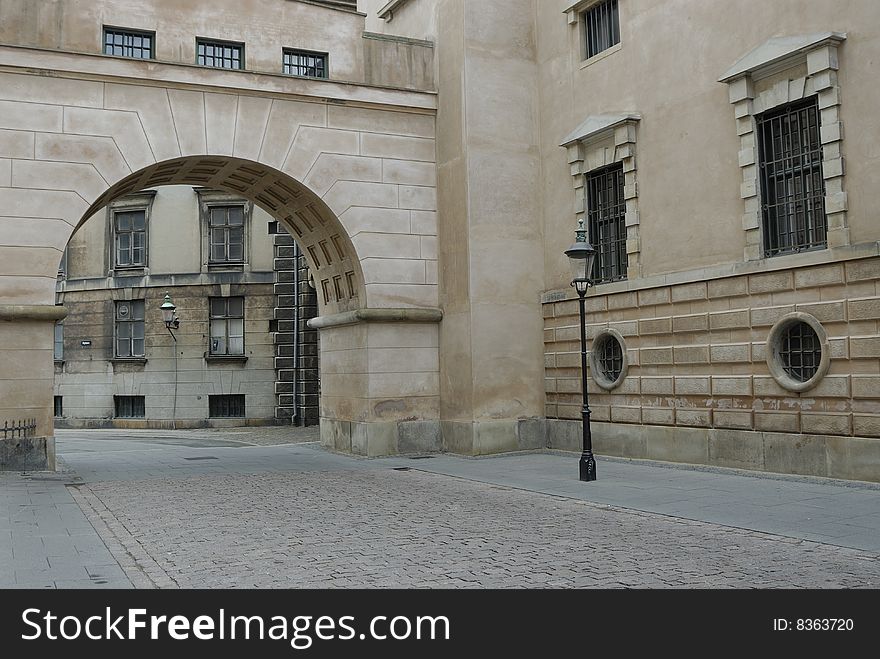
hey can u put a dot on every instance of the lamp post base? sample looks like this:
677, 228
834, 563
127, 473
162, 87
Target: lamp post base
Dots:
588, 467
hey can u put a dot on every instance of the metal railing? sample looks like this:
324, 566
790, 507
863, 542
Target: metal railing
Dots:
23, 428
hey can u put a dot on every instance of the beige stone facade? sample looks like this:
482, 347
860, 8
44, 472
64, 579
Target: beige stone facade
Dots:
436, 178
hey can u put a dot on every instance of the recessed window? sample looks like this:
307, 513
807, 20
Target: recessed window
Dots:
130, 329
226, 233
792, 185
220, 54
129, 407
59, 406
128, 43
59, 341
226, 406
130, 231
800, 351
62, 266
606, 214
602, 27
608, 363
227, 325
305, 63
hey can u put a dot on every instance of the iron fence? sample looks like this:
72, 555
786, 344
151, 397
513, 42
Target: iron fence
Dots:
23, 428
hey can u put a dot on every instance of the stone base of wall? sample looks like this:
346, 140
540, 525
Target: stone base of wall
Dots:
27, 454
850, 458
490, 437
382, 438
163, 424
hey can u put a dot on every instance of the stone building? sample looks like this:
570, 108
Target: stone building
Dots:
236, 279
435, 179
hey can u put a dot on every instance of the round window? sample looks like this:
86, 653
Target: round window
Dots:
608, 359
798, 353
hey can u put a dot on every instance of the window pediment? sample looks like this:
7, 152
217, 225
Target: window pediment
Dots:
779, 53
598, 126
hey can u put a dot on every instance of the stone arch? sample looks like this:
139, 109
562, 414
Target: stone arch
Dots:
324, 242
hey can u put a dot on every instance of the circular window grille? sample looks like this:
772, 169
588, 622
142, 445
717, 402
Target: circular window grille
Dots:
608, 359
800, 352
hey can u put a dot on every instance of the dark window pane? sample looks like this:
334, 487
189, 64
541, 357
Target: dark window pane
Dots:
606, 215
236, 307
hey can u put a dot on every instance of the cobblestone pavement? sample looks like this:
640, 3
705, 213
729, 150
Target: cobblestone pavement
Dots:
414, 529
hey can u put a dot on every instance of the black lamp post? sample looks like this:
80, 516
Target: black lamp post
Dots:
581, 256
169, 315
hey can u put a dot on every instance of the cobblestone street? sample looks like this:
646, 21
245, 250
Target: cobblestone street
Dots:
269, 508
414, 529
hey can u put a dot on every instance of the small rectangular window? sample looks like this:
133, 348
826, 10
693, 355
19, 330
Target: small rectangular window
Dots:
606, 212
220, 54
227, 325
129, 407
59, 406
792, 184
59, 341
602, 27
130, 229
128, 43
226, 406
130, 329
305, 63
226, 234
62, 266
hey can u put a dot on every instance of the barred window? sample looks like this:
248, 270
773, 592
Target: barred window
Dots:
227, 326
128, 43
792, 185
304, 63
800, 352
130, 229
602, 27
609, 357
59, 406
130, 328
226, 227
606, 212
59, 341
220, 54
225, 406
129, 407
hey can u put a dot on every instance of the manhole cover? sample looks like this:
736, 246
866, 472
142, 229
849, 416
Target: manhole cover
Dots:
401, 469
422, 457
203, 457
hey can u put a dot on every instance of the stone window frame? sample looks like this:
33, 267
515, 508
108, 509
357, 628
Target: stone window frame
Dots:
774, 344
817, 56
599, 142
576, 16
226, 317
596, 371
142, 201
212, 198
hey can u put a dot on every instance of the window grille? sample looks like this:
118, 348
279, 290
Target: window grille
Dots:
128, 43
303, 63
602, 25
606, 211
226, 406
129, 407
220, 54
800, 352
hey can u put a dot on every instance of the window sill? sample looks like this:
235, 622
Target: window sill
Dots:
231, 267
135, 271
226, 359
128, 360
600, 56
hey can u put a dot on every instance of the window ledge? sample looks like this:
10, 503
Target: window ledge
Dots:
226, 359
600, 56
128, 360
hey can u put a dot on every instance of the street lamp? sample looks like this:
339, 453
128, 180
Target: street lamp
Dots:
169, 315
580, 257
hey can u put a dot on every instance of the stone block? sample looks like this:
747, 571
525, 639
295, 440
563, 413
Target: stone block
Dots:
656, 326
825, 312
657, 386
692, 386
418, 198
409, 172
419, 437
769, 316
687, 416
691, 354
737, 319
826, 424
866, 386
694, 323
661, 416
687, 292
730, 354
728, 287
688, 445
740, 419
623, 301
628, 328
795, 454
863, 269
655, 356
853, 458
831, 386
626, 441
736, 449
771, 282
731, 386
866, 425
864, 347
531, 434
828, 275
625, 414
653, 296
396, 146
773, 421
866, 309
